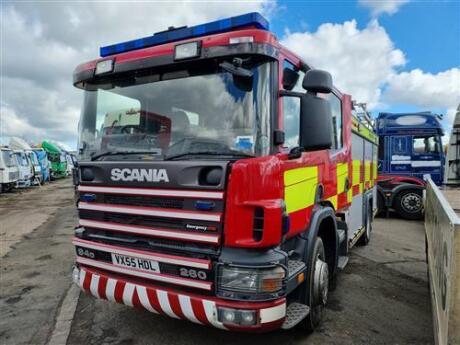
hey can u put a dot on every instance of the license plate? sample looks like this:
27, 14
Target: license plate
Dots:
137, 263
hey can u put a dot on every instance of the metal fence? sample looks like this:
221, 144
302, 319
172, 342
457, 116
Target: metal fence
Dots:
442, 227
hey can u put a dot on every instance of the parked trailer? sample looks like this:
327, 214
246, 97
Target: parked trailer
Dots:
9, 170
233, 195
410, 149
442, 227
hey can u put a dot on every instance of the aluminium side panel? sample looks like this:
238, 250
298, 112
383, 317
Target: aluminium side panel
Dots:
355, 220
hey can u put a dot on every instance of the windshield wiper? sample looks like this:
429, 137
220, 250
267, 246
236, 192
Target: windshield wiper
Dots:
114, 153
209, 153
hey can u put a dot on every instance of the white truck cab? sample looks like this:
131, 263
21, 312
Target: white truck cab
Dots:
25, 169
9, 172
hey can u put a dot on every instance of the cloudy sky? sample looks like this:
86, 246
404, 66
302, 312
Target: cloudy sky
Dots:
395, 55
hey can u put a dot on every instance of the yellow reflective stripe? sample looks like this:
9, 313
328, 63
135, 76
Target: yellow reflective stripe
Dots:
333, 200
367, 171
300, 174
362, 130
350, 195
356, 172
300, 188
342, 174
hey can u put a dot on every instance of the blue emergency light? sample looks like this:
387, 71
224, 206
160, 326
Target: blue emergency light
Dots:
219, 26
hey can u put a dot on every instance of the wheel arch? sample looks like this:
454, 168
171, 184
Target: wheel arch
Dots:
324, 225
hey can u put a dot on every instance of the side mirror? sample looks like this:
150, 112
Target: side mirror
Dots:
316, 80
315, 123
290, 78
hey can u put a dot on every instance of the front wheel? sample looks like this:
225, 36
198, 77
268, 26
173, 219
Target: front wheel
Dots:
317, 287
409, 204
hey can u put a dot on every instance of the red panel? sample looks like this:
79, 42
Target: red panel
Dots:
199, 312
255, 182
119, 288
102, 287
175, 305
87, 281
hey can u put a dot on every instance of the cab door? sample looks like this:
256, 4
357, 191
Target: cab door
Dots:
400, 155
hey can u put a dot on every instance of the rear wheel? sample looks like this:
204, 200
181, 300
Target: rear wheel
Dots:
409, 204
317, 287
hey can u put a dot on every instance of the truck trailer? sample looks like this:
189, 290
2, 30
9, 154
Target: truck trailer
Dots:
410, 150
221, 179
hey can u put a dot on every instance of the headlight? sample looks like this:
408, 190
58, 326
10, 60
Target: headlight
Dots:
242, 280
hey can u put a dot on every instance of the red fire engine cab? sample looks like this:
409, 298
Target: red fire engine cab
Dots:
221, 179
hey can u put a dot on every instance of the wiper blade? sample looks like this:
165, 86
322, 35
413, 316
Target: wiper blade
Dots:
209, 153
114, 153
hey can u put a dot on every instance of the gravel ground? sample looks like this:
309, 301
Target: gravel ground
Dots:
382, 296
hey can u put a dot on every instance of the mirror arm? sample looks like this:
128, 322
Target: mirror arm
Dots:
287, 93
296, 152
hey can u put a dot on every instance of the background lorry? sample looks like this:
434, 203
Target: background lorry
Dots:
9, 170
17, 143
231, 188
26, 170
410, 148
57, 159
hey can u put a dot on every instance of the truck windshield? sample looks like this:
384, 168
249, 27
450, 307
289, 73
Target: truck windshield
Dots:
8, 158
200, 111
426, 144
22, 160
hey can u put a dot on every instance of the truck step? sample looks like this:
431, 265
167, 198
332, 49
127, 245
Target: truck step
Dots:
296, 271
341, 234
343, 261
295, 267
295, 313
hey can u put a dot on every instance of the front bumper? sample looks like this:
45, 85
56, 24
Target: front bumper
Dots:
23, 183
175, 304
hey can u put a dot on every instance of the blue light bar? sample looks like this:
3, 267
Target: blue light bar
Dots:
219, 26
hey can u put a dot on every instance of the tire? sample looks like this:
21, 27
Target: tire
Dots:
380, 203
409, 204
366, 236
316, 287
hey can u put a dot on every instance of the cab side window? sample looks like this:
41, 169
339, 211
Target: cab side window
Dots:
291, 108
336, 110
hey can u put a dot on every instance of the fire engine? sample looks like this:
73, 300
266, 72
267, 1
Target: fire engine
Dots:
221, 179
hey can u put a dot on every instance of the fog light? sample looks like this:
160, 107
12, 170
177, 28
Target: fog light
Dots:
228, 315
76, 275
237, 316
247, 317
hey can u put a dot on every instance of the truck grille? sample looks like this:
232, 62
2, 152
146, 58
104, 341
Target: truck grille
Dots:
149, 225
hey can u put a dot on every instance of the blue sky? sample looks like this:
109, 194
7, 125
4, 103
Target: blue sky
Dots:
395, 55
427, 31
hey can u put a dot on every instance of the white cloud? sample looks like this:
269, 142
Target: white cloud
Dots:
378, 7
360, 60
426, 90
43, 43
